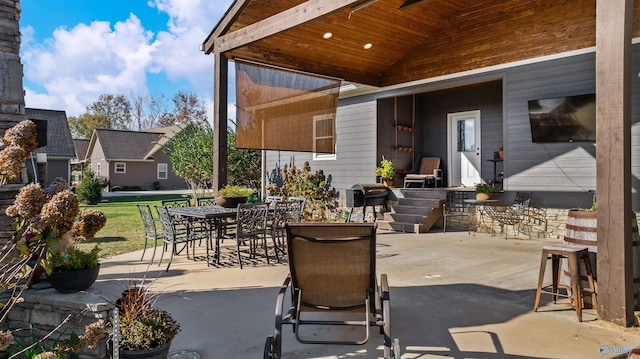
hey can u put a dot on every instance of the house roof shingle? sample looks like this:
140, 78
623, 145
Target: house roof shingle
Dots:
59, 140
81, 146
131, 145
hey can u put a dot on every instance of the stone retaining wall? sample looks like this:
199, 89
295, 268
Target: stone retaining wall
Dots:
45, 309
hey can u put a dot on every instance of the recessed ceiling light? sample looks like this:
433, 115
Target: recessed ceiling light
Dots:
368, 46
327, 35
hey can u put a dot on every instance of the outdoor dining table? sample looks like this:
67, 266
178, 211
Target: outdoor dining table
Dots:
215, 218
479, 204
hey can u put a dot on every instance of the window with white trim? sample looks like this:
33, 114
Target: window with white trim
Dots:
120, 167
163, 170
324, 136
98, 169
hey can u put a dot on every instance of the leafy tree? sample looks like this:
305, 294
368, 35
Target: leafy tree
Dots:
111, 112
244, 166
189, 108
83, 125
166, 119
116, 109
191, 154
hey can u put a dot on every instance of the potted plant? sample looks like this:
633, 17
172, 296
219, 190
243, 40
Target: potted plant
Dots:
501, 152
484, 191
386, 171
231, 196
48, 224
74, 270
143, 330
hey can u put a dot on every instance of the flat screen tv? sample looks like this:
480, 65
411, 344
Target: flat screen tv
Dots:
563, 119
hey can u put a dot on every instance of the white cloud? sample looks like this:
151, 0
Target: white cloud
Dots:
77, 65
70, 70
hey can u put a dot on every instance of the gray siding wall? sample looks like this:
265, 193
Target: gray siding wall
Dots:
356, 149
560, 174
433, 108
564, 167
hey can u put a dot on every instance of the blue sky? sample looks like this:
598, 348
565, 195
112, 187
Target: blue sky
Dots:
75, 50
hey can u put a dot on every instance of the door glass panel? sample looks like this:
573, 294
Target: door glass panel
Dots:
466, 135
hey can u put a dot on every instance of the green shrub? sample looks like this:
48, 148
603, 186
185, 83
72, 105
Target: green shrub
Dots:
235, 191
74, 258
321, 204
89, 191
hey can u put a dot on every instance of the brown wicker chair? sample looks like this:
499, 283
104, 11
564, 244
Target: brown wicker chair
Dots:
429, 171
332, 274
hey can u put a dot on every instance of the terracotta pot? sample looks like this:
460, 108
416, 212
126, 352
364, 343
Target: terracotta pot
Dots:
501, 154
483, 196
230, 202
74, 280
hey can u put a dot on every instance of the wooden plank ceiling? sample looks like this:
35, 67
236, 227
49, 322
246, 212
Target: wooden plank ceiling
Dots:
428, 39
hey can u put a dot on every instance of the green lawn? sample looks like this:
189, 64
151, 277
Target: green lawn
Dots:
123, 232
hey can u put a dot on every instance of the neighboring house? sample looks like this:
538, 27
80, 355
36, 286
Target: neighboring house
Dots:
59, 149
132, 159
78, 164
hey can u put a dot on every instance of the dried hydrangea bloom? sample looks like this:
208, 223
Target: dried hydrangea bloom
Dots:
306, 166
60, 211
11, 158
6, 339
66, 241
91, 221
24, 135
28, 203
58, 185
46, 355
92, 334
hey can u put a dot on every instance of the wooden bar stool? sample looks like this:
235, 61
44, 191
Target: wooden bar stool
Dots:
573, 254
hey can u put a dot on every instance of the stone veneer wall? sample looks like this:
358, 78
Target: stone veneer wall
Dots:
553, 227
12, 106
46, 309
11, 91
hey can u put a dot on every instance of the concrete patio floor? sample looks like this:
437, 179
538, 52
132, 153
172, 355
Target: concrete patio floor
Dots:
452, 295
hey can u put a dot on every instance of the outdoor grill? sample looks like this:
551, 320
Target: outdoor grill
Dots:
363, 195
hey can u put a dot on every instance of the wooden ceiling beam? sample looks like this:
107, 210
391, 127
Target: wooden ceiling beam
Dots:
275, 24
227, 20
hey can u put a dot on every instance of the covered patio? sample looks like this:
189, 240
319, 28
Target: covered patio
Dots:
452, 295
396, 45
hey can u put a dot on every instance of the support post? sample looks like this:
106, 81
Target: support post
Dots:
613, 160
220, 114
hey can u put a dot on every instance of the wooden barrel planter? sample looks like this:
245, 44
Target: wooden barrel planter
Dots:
582, 229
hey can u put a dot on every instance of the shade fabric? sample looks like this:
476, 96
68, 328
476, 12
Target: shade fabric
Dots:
278, 109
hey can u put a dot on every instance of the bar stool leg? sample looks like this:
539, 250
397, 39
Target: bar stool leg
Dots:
592, 286
543, 264
575, 284
555, 265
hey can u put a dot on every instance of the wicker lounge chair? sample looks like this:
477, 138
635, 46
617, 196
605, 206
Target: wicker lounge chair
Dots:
429, 171
332, 275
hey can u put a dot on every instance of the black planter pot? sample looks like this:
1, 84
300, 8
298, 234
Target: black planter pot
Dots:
74, 280
162, 352
230, 202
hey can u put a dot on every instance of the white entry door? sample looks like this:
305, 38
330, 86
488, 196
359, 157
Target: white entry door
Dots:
464, 148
